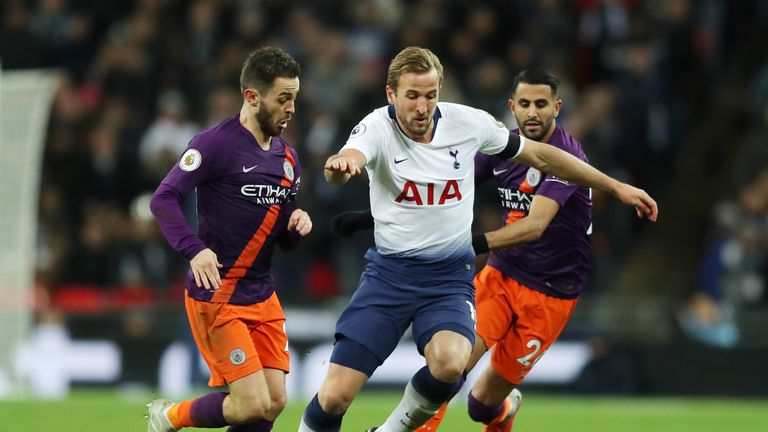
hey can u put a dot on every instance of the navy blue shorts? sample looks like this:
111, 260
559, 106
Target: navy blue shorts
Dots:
396, 292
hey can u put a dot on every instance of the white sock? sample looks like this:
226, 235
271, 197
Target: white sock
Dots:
413, 411
303, 426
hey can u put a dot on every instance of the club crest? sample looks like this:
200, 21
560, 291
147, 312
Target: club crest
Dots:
237, 356
288, 169
533, 177
455, 154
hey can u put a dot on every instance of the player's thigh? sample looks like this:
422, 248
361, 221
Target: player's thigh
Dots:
375, 317
453, 312
341, 386
540, 320
224, 340
477, 353
494, 310
266, 324
252, 387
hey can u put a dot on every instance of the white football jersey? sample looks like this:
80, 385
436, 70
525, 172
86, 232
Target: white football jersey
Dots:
422, 195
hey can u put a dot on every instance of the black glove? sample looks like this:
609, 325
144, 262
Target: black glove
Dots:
347, 223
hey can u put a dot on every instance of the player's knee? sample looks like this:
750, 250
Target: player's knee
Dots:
448, 367
277, 406
251, 409
335, 402
447, 371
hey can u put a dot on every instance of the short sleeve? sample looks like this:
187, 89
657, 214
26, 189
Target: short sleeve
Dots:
557, 189
366, 137
493, 132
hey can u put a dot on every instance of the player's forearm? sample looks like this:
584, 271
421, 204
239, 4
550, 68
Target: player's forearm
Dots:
564, 165
525, 230
167, 211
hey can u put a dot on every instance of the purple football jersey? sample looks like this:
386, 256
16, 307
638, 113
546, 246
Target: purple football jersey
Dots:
558, 263
245, 196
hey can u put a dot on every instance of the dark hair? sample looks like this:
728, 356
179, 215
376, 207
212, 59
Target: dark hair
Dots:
536, 76
264, 65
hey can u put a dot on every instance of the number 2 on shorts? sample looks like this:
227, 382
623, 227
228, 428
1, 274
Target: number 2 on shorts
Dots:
530, 358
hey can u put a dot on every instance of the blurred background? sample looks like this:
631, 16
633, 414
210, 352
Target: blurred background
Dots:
100, 98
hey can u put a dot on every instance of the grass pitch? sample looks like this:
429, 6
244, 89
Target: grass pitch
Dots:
98, 411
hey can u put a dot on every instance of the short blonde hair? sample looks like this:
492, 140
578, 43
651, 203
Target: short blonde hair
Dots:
413, 60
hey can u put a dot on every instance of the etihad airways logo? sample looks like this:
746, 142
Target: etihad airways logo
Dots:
266, 194
515, 199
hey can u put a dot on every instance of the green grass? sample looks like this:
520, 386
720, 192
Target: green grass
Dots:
98, 411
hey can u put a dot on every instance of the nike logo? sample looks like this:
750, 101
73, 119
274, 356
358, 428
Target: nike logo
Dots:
247, 170
497, 172
401, 160
413, 424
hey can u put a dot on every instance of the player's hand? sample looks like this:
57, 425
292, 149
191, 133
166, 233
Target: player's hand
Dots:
300, 222
205, 266
343, 164
347, 223
644, 205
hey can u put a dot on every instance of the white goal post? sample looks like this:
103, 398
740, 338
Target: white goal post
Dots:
25, 104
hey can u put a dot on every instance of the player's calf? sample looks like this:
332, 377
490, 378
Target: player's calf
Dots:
423, 397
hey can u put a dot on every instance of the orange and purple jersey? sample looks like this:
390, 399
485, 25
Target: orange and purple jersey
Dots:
558, 263
245, 196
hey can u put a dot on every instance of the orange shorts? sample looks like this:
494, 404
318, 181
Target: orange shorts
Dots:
238, 340
521, 322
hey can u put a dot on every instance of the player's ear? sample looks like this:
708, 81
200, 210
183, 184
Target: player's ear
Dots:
558, 106
251, 96
511, 104
390, 95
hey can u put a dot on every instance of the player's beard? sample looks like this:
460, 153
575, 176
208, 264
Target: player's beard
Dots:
418, 131
268, 123
544, 127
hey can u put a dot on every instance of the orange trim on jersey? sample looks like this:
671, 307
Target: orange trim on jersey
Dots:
514, 216
247, 256
526, 187
252, 248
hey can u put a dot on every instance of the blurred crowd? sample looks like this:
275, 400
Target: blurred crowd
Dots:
733, 271
139, 78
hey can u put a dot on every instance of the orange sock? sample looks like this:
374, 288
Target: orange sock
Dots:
434, 422
504, 412
180, 414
